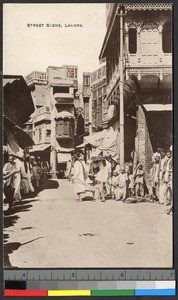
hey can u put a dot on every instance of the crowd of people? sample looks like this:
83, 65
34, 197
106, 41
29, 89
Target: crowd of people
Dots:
105, 178
22, 176
101, 177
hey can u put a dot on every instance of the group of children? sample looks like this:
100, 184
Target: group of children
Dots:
112, 180
124, 184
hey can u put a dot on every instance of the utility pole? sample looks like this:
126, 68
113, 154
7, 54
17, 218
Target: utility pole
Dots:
121, 90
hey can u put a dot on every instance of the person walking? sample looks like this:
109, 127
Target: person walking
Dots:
18, 175
45, 169
9, 170
80, 175
26, 184
36, 170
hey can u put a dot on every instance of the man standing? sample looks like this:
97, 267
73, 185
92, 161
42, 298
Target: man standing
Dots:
162, 170
168, 181
155, 176
8, 177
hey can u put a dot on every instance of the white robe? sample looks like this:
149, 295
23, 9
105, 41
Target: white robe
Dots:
79, 182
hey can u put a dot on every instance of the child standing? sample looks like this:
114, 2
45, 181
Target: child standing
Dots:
114, 184
122, 186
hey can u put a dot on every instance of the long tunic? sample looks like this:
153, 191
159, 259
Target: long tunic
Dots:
79, 182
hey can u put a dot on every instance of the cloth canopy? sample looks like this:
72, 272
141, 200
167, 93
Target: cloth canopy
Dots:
63, 150
104, 141
95, 138
158, 107
39, 148
131, 86
18, 103
15, 136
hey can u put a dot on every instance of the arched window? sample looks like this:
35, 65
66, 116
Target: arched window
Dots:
167, 37
132, 40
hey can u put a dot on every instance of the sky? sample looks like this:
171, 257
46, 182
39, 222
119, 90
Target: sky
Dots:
27, 48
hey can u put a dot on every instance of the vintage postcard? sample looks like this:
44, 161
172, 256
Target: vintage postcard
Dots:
88, 137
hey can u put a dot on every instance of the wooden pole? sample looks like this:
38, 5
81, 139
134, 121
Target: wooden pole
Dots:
121, 86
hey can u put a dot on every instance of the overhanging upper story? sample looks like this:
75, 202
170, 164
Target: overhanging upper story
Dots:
147, 40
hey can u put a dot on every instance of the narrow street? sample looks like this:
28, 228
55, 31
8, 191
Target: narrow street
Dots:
54, 230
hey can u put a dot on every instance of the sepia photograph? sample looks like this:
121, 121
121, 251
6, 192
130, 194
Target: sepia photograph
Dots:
88, 135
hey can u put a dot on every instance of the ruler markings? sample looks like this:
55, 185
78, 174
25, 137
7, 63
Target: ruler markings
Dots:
108, 275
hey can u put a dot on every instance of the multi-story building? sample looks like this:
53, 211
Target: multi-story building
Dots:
147, 68
98, 98
53, 94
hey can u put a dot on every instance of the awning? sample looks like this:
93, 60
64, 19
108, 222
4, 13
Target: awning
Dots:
15, 136
39, 148
131, 86
63, 150
64, 114
95, 152
81, 145
95, 138
104, 141
63, 157
18, 103
158, 107
109, 139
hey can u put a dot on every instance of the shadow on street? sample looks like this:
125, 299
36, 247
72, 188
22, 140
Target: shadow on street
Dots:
11, 217
11, 247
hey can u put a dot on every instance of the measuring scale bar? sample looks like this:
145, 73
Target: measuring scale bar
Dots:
104, 282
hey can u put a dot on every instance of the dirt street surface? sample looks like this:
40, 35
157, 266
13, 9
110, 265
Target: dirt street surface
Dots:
54, 230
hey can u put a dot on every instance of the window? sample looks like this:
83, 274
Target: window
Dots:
48, 133
86, 80
66, 127
167, 37
71, 73
99, 73
60, 89
40, 134
132, 40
